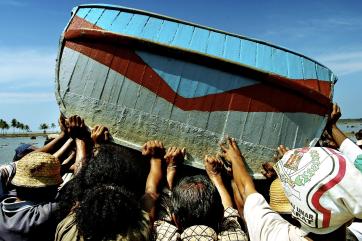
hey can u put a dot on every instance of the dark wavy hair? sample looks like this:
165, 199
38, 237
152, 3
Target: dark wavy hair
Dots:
195, 201
113, 165
110, 212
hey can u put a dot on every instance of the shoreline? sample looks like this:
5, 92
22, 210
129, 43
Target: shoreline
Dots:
36, 134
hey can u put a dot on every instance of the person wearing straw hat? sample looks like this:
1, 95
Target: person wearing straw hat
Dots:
28, 213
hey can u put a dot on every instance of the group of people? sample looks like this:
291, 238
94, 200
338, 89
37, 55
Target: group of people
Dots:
80, 186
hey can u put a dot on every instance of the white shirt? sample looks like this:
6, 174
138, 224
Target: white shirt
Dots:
356, 229
264, 224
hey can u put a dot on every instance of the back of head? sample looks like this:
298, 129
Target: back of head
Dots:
195, 201
22, 150
112, 165
358, 135
110, 212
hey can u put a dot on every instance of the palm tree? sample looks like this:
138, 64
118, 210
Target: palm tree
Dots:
14, 123
27, 128
43, 127
52, 125
20, 126
7, 126
3, 125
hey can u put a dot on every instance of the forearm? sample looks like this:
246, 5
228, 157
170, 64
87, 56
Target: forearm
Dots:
171, 173
224, 194
51, 146
242, 178
154, 177
337, 135
237, 198
63, 149
81, 154
151, 189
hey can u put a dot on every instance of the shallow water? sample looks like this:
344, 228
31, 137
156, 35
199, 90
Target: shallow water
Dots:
9, 144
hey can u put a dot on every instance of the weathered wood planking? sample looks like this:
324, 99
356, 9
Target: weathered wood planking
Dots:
127, 69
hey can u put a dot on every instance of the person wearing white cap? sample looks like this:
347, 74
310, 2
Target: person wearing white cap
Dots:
318, 182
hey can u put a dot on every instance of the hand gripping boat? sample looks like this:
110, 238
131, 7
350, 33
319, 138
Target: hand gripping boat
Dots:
148, 76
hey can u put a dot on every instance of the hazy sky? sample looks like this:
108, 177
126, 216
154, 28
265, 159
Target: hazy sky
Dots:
328, 31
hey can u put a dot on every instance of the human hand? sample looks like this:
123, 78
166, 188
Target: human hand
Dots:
334, 115
100, 134
281, 151
231, 153
174, 156
213, 167
76, 127
62, 124
154, 149
268, 171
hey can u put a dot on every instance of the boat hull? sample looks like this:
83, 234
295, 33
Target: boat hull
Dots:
145, 90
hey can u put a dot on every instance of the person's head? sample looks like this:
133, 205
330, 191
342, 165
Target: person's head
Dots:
323, 189
22, 150
110, 212
109, 166
195, 201
327, 140
112, 165
37, 177
358, 135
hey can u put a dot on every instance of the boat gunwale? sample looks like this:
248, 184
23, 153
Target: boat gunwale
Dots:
333, 77
84, 33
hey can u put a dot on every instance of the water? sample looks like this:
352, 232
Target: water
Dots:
9, 144
351, 128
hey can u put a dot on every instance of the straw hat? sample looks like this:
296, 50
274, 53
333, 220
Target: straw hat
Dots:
37, 169
278, 201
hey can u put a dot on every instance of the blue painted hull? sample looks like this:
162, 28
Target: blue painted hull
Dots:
148, 76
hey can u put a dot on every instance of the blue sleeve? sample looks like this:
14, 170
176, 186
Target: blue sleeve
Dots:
7, 172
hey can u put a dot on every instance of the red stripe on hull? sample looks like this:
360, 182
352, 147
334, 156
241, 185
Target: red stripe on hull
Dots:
256, 98
321, 87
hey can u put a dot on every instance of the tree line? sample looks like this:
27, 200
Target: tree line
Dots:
15, 124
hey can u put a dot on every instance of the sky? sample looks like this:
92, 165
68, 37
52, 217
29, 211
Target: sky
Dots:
328, 31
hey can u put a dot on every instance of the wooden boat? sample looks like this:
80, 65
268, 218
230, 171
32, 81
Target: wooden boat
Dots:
148, 76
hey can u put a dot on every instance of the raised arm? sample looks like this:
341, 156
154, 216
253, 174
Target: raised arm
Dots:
100, 134
56, 143
78, 131
174, 156
242, 179
333, 129
214, 167
154, 150
59, 153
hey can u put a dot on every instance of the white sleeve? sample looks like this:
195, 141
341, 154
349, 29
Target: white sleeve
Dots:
350, 150
265, 224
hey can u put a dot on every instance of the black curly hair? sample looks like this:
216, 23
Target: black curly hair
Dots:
113, 165
110, 212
